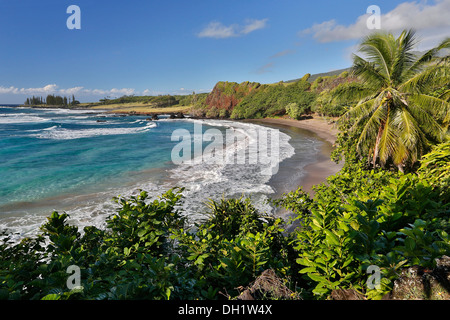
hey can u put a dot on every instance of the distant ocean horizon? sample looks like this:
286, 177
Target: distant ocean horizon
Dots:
75, 161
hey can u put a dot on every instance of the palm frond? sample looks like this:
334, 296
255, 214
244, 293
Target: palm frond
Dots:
388, 141
411, 136
427, 57
370, 130
428, 124
351, 93
378, 49
369, 73
433, 76
445, 96
433, 105
445, 44
364, 109
404, 57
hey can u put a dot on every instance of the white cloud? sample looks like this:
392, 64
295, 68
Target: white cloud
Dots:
54, 89
71, 91
431, 21
253, 25
282, 53
148, 92
48, 89
85, 94
217, 30
265, 68
121, 92
8, 90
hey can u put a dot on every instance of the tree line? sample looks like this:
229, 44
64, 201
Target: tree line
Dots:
52, 100
160, 101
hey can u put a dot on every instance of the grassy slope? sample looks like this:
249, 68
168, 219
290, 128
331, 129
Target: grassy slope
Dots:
142, 107
136, 107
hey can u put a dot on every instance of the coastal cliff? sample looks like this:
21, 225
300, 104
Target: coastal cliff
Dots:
221, 101
295, 98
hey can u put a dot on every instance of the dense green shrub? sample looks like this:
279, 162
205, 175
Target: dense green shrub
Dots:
361, 218
358, 218
234, 245
435, 167
271, 100
132, 258
146, 252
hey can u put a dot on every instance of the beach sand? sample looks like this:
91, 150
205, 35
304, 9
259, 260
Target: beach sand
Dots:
290, 177
321, 127
315, 172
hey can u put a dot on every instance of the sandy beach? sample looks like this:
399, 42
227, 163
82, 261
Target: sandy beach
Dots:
323, 167
321, 127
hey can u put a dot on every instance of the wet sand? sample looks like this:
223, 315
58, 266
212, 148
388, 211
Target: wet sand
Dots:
319, 169
320, 127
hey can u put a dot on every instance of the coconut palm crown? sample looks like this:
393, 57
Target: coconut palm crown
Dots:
398, 118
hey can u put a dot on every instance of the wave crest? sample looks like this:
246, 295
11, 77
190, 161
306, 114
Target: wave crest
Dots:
58, 133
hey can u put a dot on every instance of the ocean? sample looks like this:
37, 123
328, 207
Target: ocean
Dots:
76, 161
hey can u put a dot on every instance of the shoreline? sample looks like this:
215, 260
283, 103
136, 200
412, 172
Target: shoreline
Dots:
320, 127
303, 169
314, 173
322, 167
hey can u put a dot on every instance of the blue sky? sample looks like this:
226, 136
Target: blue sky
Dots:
176, 47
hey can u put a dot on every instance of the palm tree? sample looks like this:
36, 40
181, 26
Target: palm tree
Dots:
399, 120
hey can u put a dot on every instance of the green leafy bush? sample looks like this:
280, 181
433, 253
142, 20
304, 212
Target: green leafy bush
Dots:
146, 252
271, 100
435, 167
235, 244
361, 218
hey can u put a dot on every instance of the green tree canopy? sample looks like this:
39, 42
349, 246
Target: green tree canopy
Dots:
397, 118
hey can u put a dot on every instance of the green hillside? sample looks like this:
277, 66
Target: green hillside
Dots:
324, 74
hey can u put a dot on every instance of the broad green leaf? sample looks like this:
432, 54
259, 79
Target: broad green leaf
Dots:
410, 244
317, 277
52, 296
331, 238
306, 270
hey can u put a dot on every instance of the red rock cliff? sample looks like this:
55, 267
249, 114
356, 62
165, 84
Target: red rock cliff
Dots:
226, 95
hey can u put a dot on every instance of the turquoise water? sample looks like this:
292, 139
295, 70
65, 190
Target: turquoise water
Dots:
46, 153
76, 161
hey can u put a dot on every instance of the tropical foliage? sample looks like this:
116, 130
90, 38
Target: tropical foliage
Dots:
146, 253
396, 118
357, 218
276, 100
362, 218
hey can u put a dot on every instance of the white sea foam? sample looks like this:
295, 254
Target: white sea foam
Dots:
202, 181
68, 111
17, 118
82, 121
58, 133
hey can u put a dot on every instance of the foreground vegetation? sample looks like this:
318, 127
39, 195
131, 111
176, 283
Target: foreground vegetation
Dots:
356, 219
388, 208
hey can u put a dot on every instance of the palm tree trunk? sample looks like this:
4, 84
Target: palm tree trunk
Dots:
377, 143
